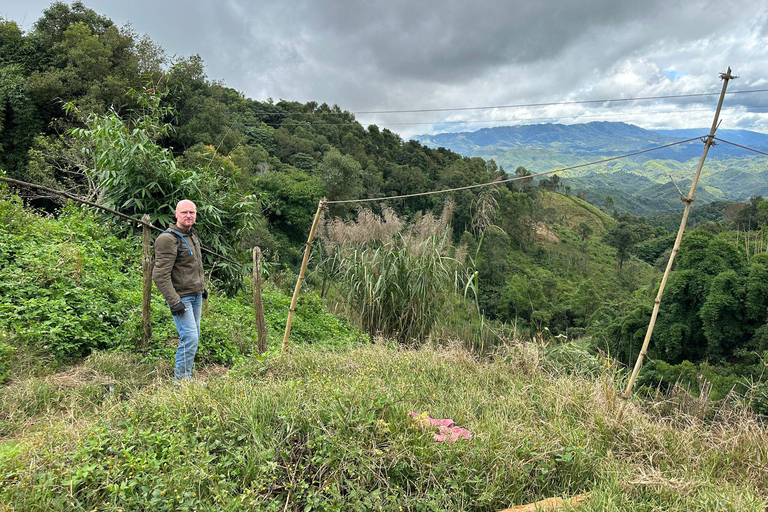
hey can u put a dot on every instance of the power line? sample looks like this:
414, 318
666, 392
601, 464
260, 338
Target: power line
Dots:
474, 121
553, 103
742, 147
478, 121
517, 105
498, 182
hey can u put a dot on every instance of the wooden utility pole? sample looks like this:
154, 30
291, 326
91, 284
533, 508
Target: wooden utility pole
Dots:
725, 77
295, 298
258, 305
146, 269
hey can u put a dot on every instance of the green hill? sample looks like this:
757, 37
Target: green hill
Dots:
730, 172
551, 294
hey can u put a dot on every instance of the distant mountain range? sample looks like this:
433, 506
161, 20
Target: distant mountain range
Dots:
639, 184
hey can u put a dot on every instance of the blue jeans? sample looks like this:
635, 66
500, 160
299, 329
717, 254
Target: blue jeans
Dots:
188, 327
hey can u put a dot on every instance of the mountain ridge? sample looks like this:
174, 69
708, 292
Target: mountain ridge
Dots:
603, 137
731, 173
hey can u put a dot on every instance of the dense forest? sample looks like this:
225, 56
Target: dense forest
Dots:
98, 111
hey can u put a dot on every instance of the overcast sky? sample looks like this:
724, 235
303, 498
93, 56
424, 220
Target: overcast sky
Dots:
418, 55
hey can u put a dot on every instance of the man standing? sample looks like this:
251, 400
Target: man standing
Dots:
178, 274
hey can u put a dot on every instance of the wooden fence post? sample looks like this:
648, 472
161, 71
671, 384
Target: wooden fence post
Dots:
258, 305
146, 268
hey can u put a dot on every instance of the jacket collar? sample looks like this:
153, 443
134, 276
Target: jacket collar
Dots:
174, 227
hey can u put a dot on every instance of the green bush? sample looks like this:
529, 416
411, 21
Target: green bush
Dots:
716, 380
69, 287
64, 283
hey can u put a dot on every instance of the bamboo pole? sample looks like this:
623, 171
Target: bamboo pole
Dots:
295, 298
258, 305
688, 200
146, 269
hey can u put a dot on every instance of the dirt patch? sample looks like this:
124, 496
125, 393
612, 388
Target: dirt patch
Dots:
542, 233
79, 376
211, 371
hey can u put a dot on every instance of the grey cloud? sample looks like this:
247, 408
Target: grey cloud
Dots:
373, 55
452, 41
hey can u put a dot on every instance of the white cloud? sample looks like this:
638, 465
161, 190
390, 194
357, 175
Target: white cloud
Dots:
406, 54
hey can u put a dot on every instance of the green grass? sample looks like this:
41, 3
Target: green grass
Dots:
329, 429
572, 211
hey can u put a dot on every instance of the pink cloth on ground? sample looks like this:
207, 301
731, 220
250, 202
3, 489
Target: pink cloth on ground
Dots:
446, 428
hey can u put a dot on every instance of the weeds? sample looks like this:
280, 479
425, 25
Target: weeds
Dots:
326, 429
399, 280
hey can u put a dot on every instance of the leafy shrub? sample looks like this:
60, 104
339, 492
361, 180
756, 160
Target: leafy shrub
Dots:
63, 283
69, 287
716, 382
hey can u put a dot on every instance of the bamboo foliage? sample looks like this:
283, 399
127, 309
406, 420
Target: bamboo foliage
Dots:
397, 279
398, 292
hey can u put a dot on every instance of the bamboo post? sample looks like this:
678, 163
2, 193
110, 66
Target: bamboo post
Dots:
295, 298
258, 305
146, 268
688, 200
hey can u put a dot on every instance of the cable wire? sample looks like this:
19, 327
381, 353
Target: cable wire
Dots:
518, 105
523, 119
740, 146
498, 182
553, 103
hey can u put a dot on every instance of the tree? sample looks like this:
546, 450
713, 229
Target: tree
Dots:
342, 176
524, 183
290, 197
715, 304
547, 184
19, 120
136, 176
749, 217
493, 270
722, 314
628, 232
72, 55
584, 230
585, 302
57, 18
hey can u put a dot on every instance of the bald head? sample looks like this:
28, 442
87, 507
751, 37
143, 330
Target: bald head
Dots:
186, 214
185, 203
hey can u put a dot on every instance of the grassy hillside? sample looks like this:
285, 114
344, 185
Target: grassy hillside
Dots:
322, 429
558, 279
572, 211
90, 421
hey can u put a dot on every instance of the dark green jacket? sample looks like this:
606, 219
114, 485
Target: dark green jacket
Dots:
177, 273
